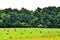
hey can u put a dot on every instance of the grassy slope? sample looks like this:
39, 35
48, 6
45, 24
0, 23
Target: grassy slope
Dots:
9, 33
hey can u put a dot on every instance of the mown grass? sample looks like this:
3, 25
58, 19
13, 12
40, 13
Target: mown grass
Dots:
29, 34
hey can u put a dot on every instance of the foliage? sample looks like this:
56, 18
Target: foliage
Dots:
48, 17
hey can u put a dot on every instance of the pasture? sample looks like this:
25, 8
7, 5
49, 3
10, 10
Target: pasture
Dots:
29, 34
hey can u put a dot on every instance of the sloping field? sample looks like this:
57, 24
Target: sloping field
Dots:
29, 34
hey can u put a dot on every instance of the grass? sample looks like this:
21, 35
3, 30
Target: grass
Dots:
29, 34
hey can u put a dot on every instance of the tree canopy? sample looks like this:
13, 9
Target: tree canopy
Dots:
48, 17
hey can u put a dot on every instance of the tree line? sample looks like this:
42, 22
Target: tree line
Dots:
48, 17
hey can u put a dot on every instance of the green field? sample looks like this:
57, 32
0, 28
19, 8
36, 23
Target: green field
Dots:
29, 33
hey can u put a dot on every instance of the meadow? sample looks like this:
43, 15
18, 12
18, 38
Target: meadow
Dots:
29, 34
